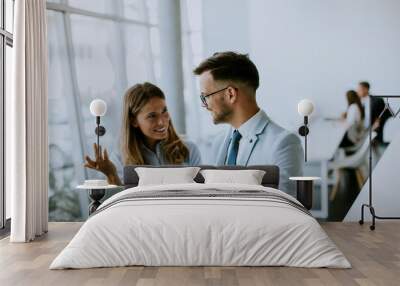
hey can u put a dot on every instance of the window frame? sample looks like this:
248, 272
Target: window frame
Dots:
67, 11
6, 39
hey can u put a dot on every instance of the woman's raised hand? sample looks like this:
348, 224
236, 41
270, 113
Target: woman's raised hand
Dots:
101, 163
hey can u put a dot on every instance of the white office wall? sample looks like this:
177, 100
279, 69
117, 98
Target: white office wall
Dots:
226, 26
319, 49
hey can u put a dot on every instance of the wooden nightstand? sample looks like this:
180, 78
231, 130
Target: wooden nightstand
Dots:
305, 190
96, 194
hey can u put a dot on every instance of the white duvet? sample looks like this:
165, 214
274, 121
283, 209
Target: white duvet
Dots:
200, 231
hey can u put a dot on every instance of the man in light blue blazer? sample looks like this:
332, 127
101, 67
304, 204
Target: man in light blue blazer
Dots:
228, 83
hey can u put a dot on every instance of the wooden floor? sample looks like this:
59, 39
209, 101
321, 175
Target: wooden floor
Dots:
375, 257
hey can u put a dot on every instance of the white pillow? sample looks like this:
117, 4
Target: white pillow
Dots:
164, 176
248, 177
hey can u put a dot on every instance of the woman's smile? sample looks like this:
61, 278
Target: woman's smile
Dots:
160, 130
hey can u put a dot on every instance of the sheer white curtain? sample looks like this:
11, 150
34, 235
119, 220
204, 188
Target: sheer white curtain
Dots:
27, 123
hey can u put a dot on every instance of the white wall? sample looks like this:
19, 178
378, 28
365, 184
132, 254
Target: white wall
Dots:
225, 26
319, 49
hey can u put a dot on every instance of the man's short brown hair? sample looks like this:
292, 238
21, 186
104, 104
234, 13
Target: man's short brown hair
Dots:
231, 66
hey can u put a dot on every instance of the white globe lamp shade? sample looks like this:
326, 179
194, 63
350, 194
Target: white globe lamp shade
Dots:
98, 107
305, 107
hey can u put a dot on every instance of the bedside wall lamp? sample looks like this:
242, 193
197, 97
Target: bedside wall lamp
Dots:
98, 108
305, 107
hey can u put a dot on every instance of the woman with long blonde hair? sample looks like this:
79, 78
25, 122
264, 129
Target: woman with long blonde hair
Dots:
147, 136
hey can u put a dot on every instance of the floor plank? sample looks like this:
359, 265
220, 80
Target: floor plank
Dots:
375, 257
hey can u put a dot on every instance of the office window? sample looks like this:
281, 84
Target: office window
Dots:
6, 43
97, 49
197, 117
63, 138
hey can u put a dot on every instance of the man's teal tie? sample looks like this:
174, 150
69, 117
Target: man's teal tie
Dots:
233, 148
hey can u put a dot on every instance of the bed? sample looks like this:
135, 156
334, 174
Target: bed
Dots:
201, 224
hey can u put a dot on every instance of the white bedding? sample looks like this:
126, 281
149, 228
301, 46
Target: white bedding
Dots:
200, 231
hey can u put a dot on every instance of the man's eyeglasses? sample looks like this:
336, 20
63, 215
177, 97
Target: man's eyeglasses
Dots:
203, 97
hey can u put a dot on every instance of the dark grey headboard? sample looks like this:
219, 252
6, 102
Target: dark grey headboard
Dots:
270, 179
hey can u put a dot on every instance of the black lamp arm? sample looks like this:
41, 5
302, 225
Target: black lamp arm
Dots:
303, 131
100, 130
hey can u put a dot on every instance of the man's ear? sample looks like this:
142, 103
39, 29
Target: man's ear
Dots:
232, 94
